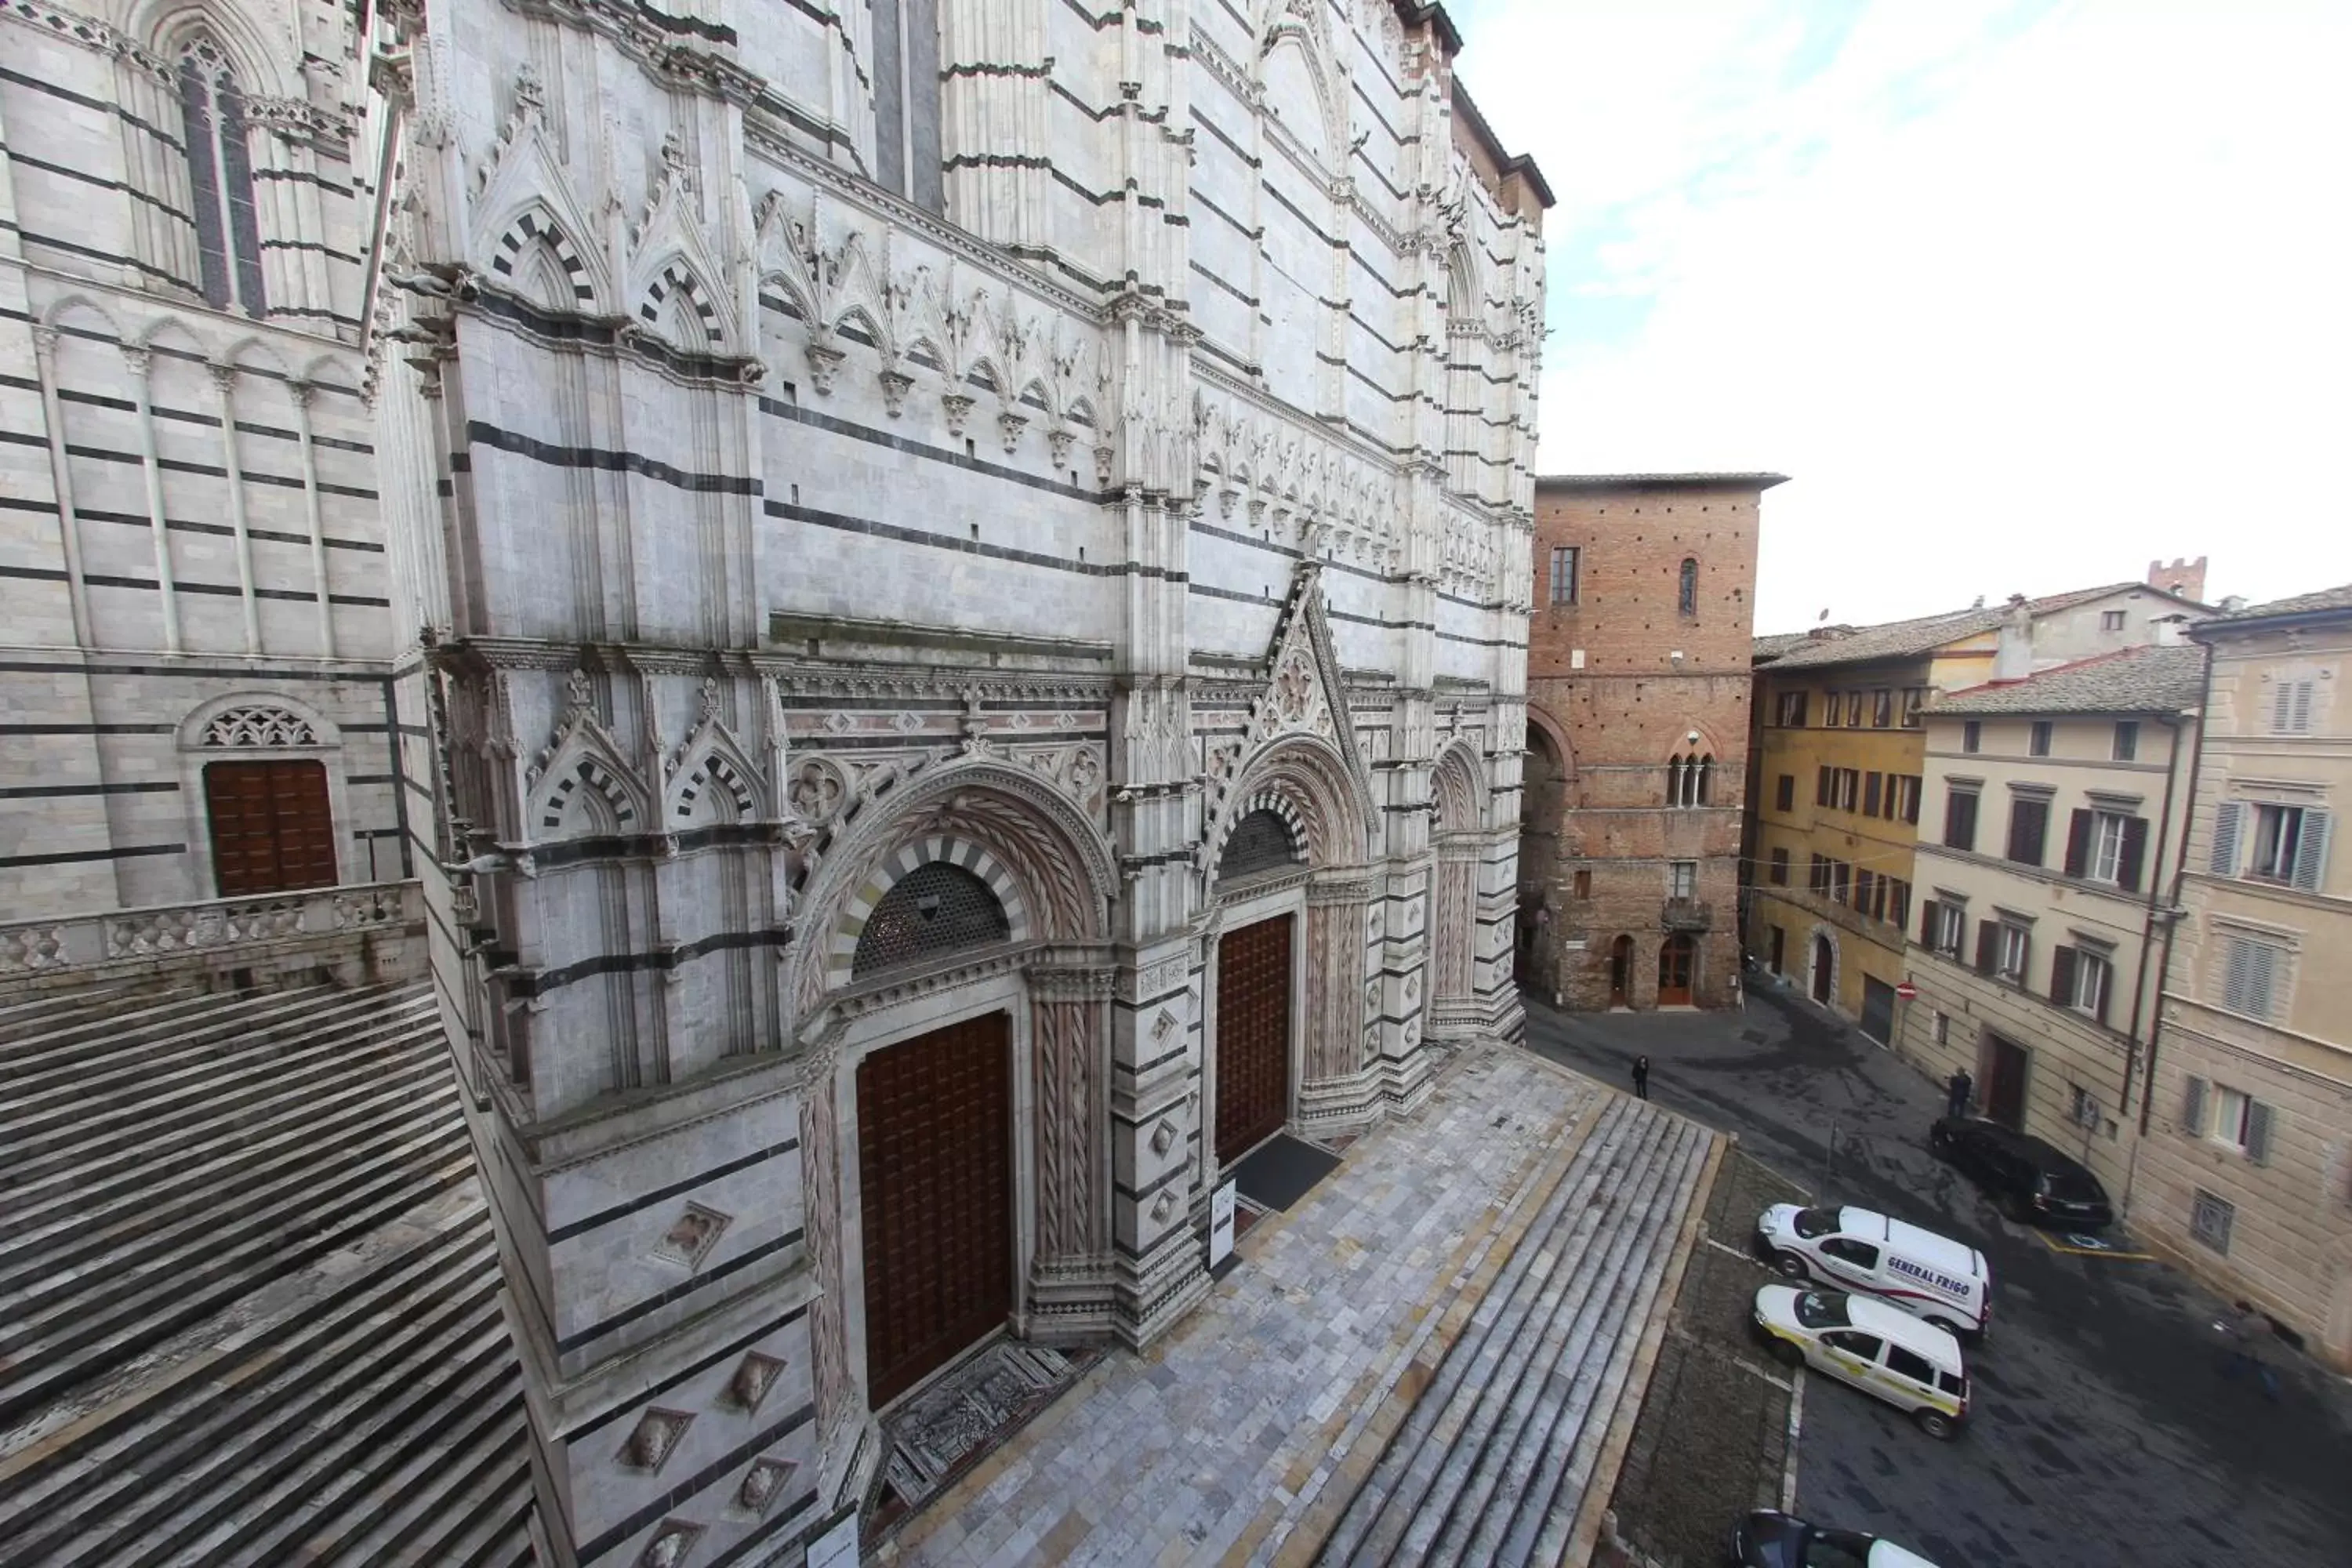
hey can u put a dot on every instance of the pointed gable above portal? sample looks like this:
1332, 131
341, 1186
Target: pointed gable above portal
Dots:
1303, 694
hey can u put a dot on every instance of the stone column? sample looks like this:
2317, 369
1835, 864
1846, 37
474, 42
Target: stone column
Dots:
1070, 1266
1338, 1086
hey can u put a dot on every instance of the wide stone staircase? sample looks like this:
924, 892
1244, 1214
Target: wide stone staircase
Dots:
249, 1295
1505, 1457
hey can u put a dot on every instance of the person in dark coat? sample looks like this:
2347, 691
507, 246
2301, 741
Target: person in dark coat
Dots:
1957, 1089
1641, 1077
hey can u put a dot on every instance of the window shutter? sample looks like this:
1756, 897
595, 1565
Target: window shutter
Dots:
1988, 945
2311, 855
2078, 843
2135, 855
2229, 818
2258, 1133
1871, 785
2282, 705
2298, 720
2061, 976
1822, 788
2236, 967
2261, 972
1927, 927
2192, 1107
2105, 991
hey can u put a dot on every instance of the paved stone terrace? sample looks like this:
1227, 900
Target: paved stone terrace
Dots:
1245, 1435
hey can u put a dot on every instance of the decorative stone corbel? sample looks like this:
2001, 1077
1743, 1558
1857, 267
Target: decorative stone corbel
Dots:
896, 384
1010, 425
959, 406
824, 362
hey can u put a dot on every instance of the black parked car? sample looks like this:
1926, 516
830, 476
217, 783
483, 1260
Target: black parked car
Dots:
2032, 1181
1774, 1539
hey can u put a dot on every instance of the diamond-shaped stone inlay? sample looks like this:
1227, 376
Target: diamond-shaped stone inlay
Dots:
753, 1377
654, 1437
1162, 1206
1162, 1023
1163, 1136
691, 1236
670, 1544
763, 1483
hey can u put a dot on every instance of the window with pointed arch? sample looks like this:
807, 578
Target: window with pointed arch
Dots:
1690, 781
220, 178
1687, 598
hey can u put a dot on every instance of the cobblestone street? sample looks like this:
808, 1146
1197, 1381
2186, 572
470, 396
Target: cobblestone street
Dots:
2101, 1433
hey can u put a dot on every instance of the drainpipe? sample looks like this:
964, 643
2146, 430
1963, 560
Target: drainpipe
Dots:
2172, 923
2147, 917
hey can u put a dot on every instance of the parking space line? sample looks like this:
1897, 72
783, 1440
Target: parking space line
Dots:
1796, 1421
2055, 1245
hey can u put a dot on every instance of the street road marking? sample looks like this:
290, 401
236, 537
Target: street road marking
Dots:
1736, 1252
2065, 1244
1796, 1420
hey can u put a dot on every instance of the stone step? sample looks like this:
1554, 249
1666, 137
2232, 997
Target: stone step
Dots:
73, 1339
211, 1049
1480, 1469
90, 1195
111, 1460
128, 1052
120, 1210
30, 1012
1541, 1523
71, 1018
1436, 1448
55, 1137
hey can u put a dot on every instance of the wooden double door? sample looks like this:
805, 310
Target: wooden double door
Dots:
935, 1178
1253, 1036
272, 829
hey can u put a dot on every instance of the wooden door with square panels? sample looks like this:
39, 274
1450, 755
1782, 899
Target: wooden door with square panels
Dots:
935, 1178
1253, 1036
272, 829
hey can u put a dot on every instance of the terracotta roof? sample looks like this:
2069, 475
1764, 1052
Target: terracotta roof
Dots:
2144, 679
2317, 602
1908, 639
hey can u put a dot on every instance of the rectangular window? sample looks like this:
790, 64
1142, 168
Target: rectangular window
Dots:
1971, 736
2126, 748
1898, 903
1872, 786
2106, 849
1817, 875
1682, 879
2040, 744
1824, 785
1849, 788
1779, 867
1944, 926
2229, 1109
1784, 794
1915, 700
1943, 1028
2016, 950
2110, 620
1865, 884
1584, 884
1563, 574
2029, 829
1844, 889
2084, 1109
1906, 798
2278, 838
2092, 975
1789, 710
2209, 1219
1882, 709
1832, 709
2251, 976
1854, 710
1960, 820
2291, 708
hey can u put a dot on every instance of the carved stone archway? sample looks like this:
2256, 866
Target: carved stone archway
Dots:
1050, 869
1459, 803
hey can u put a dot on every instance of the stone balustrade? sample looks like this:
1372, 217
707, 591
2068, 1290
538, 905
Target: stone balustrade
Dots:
323, 925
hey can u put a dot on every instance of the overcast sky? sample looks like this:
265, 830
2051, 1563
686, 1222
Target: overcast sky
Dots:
2020, 293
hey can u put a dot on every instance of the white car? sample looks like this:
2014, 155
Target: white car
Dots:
1913, 1366
1929, 1276
1771, 1538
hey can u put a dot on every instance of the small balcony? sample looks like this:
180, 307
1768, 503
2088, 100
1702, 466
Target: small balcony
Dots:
1687, 914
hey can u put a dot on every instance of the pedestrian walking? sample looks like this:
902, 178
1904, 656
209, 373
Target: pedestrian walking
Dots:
1956, 1090
1641, 1077
2243, 1333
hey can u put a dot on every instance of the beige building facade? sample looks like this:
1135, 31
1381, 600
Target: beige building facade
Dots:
2245, 1166
2054, 806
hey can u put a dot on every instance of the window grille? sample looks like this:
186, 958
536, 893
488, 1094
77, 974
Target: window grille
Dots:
1260, 842
934, 908
2211, 1219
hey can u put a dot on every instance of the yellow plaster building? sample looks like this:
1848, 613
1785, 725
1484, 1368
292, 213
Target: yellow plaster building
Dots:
1838, 751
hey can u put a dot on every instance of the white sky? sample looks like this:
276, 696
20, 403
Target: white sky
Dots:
2020, 293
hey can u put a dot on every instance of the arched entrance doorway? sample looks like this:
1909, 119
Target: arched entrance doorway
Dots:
1253, 989
1543, 800
1621, 972
1677, 958
1824, 968
954, 1004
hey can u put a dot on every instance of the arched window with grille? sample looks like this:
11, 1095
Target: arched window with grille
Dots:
220, 178
933, 911
1687, 601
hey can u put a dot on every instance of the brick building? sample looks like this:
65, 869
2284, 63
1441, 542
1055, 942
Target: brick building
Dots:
1638, 685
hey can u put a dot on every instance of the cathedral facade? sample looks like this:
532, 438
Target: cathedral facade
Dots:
939, 588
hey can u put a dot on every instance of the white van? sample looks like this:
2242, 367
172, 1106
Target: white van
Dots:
1929, 1276
1912, 1365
